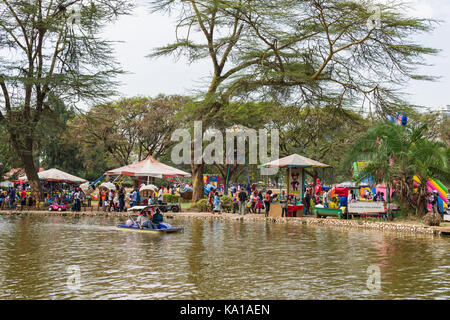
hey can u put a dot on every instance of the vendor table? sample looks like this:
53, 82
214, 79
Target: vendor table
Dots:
292, 210
275, 210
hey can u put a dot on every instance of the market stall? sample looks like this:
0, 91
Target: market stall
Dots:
295, 166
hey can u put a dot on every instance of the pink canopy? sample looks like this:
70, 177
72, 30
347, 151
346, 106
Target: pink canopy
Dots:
149, 167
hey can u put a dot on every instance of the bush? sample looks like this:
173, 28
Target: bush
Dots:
432, 219
201, 205
171, 198
226, 203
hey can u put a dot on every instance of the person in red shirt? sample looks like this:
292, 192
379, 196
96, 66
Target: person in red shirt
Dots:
23, 198
267, 201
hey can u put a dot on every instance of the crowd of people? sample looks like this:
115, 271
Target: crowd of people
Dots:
21, 196
246, 199
118, 200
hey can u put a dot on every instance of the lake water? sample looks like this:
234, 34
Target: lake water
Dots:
42, 257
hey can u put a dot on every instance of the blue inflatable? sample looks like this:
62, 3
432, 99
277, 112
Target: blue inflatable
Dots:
207, 189
186, 189
342, 201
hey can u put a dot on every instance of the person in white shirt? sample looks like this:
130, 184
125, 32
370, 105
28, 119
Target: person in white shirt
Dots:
110, 200
351, 197
161, 195
325, 199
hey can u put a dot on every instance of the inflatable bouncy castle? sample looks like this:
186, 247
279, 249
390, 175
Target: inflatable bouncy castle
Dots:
432, 185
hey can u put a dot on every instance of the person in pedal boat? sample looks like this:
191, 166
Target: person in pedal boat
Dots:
157, 217
144, 222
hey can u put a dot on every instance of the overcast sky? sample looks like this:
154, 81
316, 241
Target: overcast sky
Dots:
142, 31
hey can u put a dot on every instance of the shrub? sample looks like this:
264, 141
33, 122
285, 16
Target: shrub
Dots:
226, 203
201, 205
171, 198
432, 219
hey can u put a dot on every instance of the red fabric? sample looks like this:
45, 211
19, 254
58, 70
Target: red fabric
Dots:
292, 208
341, 192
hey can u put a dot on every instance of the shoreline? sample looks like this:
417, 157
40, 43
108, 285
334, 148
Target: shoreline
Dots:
328, 222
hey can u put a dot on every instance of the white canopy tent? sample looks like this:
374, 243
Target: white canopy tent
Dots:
56, 175
108, 186
295, 161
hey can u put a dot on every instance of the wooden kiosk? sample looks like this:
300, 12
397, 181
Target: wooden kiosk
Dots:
295, 166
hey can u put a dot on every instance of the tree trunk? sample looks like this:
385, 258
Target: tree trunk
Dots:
197, 181
32, 175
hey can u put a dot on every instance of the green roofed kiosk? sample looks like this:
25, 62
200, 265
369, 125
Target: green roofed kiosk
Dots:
295, 166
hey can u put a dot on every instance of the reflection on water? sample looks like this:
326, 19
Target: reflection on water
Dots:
215, 260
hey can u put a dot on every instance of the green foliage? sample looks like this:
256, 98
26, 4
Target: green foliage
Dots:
129, 128
201, 205
48, 56
226, 203
322, 133
395, 154
171, 198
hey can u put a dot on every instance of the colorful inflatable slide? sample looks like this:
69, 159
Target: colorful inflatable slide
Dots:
358, 167
434, 184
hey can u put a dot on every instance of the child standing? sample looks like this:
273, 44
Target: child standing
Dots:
216, 203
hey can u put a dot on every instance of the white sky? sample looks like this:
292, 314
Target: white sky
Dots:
143, 31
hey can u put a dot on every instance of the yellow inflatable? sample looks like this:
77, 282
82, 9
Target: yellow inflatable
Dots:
362, 191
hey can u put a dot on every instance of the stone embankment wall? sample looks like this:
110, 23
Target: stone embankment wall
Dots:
360, 224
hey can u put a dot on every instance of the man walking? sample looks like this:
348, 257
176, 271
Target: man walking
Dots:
12, 198
121, 199
161, 195
325, 200
81, 197
134, 197
76, 200
267, 201
242, 201
284, 204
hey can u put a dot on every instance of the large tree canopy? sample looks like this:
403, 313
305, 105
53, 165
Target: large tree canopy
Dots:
51, 50
130, 128
321, 53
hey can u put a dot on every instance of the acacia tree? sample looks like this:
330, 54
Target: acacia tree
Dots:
51, 49
306, 52
331, 52
222, 32
322, 133
157, 124
130, 127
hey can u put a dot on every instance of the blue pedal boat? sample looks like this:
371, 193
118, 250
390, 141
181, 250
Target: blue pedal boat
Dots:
124, 227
